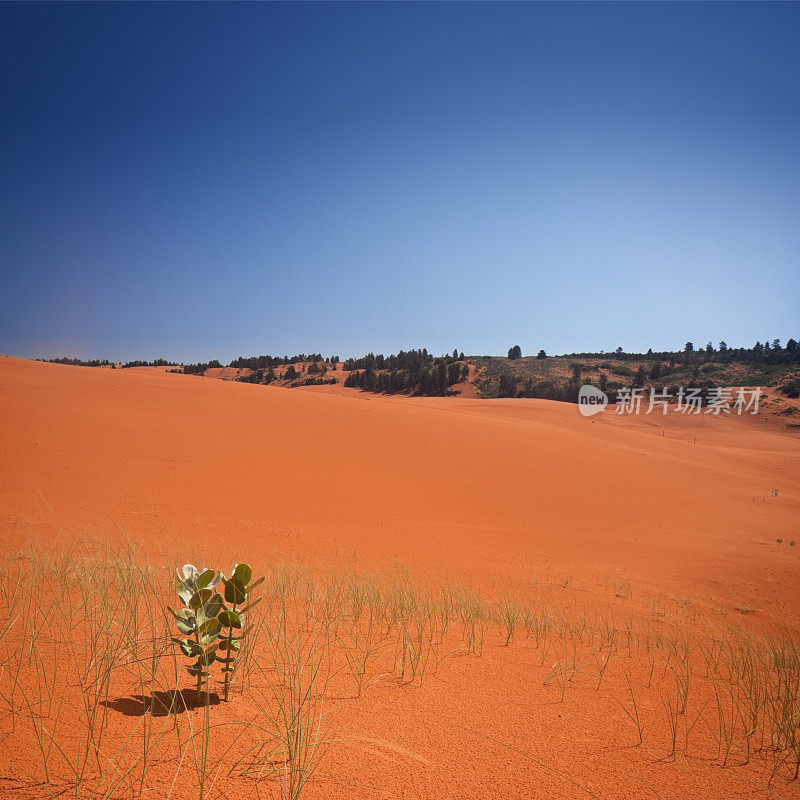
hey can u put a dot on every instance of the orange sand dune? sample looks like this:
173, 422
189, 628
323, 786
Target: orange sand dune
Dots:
680, 513
479, 489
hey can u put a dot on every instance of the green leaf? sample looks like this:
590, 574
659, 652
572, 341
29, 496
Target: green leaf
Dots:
188, 574
200, 598
191, 648
235, 591
213, 606
230, 619
185, 594
243, 573
209, 631
184, 620
205, 578
205, 641
209, 626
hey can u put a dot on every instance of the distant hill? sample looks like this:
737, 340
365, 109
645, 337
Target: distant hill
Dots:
418, 372
560, 377
541, 376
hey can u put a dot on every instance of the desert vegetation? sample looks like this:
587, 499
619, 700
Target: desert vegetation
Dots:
422, 375
414, 371
560, 377
546, 377
95, 692
419, 372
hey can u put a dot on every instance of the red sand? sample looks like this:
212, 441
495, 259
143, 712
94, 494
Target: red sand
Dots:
486, 491
478, 489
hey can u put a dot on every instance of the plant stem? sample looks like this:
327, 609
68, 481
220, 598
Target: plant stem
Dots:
200, 672
228, 658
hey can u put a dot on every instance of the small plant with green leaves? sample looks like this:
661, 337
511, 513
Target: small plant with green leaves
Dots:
212, 622
238, 589
198, 620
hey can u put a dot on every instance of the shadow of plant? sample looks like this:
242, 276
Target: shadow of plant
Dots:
161, 704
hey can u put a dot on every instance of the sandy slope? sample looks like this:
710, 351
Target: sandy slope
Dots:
479, 489
487, 491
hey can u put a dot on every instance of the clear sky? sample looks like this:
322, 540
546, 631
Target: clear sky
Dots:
200, 181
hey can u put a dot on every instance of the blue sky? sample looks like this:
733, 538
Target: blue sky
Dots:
200, 181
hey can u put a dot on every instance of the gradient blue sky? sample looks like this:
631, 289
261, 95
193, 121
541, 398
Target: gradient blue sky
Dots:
199, 181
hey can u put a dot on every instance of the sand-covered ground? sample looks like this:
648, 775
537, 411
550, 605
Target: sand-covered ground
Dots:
686, 521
